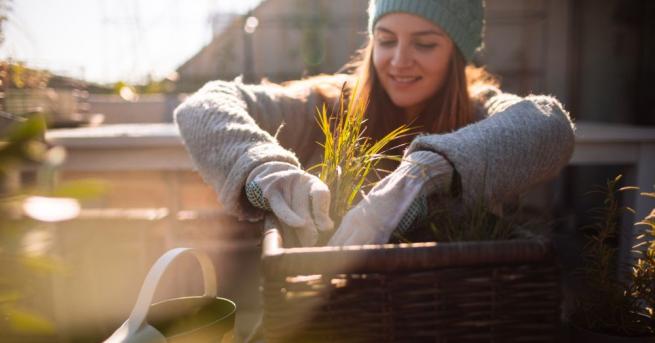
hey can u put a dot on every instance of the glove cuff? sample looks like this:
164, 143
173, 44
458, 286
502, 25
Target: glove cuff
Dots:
253, 190
256, 196
267, 168
416, 211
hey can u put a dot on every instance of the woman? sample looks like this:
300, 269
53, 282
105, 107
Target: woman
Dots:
248, 140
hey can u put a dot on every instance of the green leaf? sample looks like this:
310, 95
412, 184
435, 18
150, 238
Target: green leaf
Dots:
33, 128
23, 143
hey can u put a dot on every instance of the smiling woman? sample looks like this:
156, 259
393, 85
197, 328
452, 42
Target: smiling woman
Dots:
476, 143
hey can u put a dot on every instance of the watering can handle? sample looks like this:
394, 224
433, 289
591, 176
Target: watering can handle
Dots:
140, 310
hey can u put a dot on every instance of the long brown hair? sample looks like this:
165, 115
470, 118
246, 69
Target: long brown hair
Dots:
449, 109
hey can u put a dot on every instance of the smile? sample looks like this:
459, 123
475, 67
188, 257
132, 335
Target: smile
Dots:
404, 79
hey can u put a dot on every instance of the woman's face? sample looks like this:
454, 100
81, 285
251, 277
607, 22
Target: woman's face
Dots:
411, 56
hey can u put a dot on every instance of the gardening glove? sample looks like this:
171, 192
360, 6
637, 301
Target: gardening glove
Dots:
297, 198
376, 216
417, 211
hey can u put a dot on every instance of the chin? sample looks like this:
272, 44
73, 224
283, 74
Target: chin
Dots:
404, 103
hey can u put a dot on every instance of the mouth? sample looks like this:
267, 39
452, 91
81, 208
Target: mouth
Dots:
404, 80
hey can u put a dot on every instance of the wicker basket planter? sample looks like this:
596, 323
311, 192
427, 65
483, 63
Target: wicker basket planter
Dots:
501, 291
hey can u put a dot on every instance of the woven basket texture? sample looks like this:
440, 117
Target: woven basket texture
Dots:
502, 291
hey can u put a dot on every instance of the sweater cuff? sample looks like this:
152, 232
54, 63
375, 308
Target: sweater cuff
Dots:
446, 166
232, 194
435, 144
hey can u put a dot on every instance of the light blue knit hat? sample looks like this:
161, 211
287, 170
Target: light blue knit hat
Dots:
463, 20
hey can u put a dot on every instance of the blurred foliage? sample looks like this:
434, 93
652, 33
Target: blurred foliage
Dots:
156, 87
24, 268
643, 272
17, 75
5, 8
613, 303
311, 21
149, 87
118, 86
20, 146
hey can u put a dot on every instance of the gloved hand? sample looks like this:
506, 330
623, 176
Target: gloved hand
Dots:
376, 216
297, 198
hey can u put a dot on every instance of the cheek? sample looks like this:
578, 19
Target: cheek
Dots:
437, 67
379, 60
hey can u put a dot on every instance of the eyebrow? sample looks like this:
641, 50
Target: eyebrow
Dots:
418, 33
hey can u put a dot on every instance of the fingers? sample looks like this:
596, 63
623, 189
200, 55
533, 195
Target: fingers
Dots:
300, 203
303, 227
292, 206
283, 212
307, 235
358, 228
338, 239
346, 232
352, 234
299, 200
320, 201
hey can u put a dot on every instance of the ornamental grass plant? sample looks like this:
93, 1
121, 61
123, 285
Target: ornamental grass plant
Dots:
349, 156
643, 271
615, 303
447, 222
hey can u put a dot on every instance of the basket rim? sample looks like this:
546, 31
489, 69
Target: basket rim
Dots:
278, 261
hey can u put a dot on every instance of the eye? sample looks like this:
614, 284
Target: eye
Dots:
426, 46
386, 43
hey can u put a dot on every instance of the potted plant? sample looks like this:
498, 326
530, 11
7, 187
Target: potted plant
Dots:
615, 306
479, 289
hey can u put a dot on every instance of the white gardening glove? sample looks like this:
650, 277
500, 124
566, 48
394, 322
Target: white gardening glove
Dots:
376, 216
297, 198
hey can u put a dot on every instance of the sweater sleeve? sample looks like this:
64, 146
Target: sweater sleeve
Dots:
519, 143
230, 128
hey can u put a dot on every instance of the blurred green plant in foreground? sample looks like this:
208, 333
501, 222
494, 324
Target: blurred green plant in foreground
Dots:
25, 212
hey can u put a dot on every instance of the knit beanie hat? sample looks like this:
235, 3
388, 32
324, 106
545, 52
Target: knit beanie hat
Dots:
463, 20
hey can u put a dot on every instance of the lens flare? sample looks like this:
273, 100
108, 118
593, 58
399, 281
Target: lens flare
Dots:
51, 209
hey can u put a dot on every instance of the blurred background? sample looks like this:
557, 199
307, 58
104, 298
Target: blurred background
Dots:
107, 76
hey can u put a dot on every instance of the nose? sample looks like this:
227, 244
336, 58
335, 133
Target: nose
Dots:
401, 56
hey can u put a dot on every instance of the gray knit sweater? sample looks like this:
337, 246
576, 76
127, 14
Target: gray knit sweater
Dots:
229, 128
